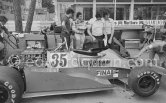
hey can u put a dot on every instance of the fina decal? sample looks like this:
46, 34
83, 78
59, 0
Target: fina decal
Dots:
104, 72
114, 73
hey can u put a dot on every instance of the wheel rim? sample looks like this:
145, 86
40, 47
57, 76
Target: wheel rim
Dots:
146, 83
14, 61
4, 94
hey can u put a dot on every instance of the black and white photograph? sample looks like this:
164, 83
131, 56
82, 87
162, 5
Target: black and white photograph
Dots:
82, 51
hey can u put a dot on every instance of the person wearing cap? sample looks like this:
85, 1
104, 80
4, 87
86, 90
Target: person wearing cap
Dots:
96, 30
3, 29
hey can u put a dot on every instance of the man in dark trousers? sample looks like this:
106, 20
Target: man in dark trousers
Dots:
66, 27
96, 30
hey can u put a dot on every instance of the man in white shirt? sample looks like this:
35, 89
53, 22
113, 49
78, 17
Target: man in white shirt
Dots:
96, 30
108, 26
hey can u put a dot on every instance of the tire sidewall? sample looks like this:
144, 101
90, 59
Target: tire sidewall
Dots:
14, 94
135, 77
14, 74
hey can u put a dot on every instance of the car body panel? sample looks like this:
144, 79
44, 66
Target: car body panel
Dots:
61, 92
55, 81
73, 75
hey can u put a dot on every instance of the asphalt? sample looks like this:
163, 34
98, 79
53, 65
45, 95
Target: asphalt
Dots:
116, 95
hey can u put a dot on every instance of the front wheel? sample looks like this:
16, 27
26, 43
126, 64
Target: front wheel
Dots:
144, 81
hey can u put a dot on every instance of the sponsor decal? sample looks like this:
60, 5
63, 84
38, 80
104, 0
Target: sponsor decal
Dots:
156, 77
86, 62
114, 73
138, 22
104, 72
12, 91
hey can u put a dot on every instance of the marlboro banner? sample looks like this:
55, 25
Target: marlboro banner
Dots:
139, 22
37, 25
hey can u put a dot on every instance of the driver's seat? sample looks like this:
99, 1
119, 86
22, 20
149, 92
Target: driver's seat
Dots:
92, 52
89, 53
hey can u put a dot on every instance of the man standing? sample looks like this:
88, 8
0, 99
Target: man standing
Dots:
96, 30
108, 26
79, 29
66, 27
109, 34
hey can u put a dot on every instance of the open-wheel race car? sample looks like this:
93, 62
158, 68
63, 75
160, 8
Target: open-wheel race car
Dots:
36, 70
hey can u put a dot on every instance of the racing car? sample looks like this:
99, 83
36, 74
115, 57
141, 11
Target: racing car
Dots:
37, 70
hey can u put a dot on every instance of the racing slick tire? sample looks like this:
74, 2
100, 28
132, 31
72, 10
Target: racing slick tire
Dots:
11, 82
9, 90
144, 81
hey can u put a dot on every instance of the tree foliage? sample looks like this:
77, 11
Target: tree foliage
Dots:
49, 5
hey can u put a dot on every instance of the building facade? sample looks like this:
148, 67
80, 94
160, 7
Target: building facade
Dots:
118, 9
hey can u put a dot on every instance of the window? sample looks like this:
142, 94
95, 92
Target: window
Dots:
1, 5
142, 0
101, 10
104, 0
65, 0
123, 0
87, 13
84, 0
159, 1
142, 12
148, 12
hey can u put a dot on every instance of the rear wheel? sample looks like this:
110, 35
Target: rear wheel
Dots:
11, 85
4, 94
9, 91
143, 81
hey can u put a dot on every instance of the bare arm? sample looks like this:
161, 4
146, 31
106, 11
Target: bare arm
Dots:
89, 32
112, 33
151, 46
112, 29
